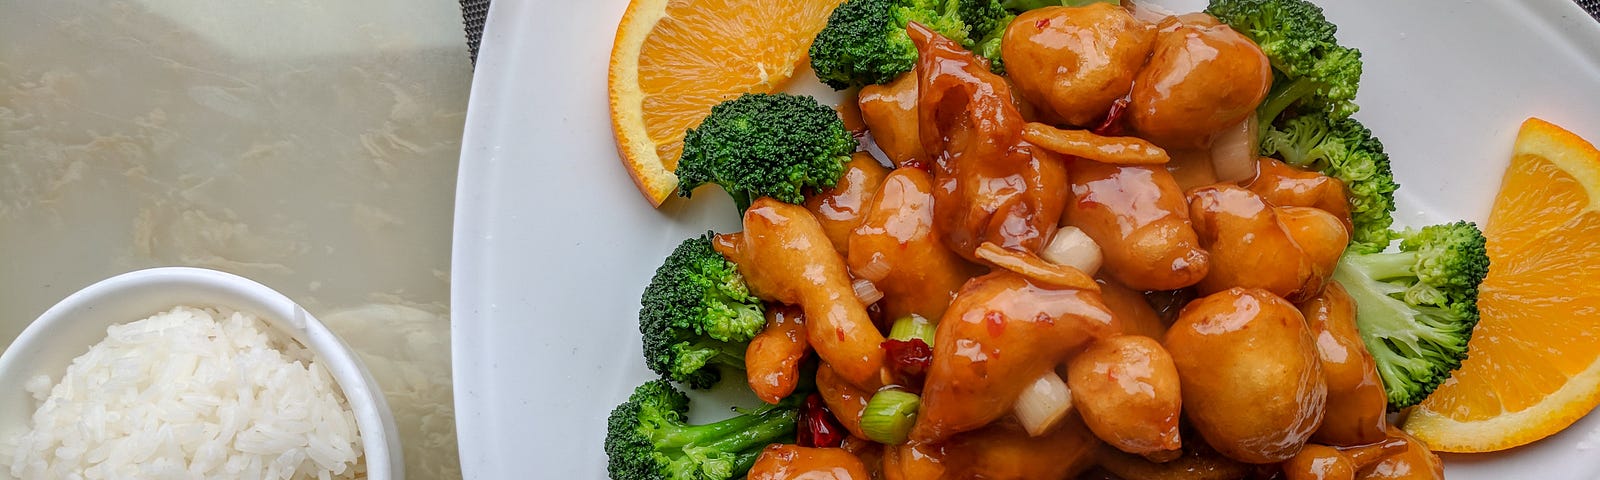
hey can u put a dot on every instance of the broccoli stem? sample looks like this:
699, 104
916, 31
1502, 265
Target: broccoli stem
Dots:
1279, 99
1389, 326
1381, 318
746, 460
742, 200
1385, 266
729, 355
770, 424
687, 435
692, 357
714, 352
1378, 314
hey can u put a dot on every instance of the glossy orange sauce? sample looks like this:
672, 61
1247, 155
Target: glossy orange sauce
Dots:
989, 185
841, 208
785, 256
772, 360
1071, 63
1261, 380
1251, 246
1139, 217
1247, 350
897, 247
1356, 407
890, 112
1413, 461
790, 462
1126, 390
1132, 309
1286, 186
1191, 168
1000, 334
846, 401
1203, 77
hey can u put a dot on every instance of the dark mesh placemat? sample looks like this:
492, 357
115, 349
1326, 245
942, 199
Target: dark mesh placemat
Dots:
474, 12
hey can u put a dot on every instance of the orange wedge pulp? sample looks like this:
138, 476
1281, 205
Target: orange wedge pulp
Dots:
1533, 365
674, 59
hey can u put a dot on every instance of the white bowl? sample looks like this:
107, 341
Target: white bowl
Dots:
69, 328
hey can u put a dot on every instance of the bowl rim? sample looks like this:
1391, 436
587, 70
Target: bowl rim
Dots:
374, 420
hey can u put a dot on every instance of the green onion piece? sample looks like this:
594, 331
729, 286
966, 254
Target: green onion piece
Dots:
889, 416
913, 326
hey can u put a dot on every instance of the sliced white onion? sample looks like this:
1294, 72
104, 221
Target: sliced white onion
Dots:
875, 269
1043, 404
866, 291
1146, 11
1073, 248
1233, 154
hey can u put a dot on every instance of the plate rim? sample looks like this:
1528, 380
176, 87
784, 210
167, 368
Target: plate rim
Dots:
471, 314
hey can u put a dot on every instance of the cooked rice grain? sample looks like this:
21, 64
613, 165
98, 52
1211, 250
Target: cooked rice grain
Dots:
190, 393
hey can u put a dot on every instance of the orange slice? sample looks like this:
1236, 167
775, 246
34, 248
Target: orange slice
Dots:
1533, 366
674, 59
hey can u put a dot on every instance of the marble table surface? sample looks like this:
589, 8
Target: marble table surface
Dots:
308, 145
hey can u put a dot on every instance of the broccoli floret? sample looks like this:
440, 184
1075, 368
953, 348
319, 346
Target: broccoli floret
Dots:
983, 17
766, 145
1346, 150
865, 41
698, 314
1305, 120
989, 48
988, 20
1416, 307
1312, 72
648, 438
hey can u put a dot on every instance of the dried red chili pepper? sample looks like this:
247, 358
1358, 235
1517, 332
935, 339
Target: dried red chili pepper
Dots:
818, 428
1112, 125
908, 360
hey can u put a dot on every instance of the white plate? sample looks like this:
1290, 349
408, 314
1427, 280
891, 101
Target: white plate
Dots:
553, 245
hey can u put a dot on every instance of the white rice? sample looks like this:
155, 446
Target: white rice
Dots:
187, 394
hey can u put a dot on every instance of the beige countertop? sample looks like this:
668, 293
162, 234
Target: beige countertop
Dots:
309, 145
